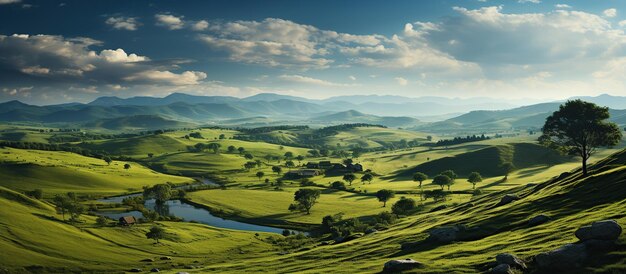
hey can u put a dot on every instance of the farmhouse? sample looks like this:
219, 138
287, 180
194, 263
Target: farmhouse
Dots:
127, 220
302, 173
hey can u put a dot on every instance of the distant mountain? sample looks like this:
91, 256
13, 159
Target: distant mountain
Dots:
353, 116
145, 122
155, 101
275, 97
527, 117
614, 102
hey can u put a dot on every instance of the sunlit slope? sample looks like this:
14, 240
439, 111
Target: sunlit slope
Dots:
34, 239
571, 200
60, 172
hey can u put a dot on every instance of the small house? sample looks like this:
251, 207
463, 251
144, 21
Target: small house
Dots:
302, 173
127, 220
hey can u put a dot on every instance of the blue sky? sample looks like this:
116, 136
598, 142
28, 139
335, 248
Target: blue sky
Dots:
62, 51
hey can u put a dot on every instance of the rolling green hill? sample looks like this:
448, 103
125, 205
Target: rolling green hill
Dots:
353, 116
488, 161
138, 122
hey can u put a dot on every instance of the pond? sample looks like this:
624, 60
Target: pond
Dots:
186, 211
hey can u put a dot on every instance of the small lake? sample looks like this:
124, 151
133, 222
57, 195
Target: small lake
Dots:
186, 211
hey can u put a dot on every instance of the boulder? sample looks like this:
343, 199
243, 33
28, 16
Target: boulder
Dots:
135, 270
539, 219
148, 260
599, 246
566, 257
155, 270
507, 199
166, 258
510, 260
607, 230
445, 234
401, 265
501, 269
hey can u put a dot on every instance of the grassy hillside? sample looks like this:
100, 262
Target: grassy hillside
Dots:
36, 240
60, 172
488, 161
137, 146
138, 122
571, 201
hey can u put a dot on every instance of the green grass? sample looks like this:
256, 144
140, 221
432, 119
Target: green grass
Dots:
37, 240
60, 172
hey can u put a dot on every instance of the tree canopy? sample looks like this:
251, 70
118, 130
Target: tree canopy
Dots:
579, 128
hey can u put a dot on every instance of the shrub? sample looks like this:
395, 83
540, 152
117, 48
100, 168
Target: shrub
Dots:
404, 206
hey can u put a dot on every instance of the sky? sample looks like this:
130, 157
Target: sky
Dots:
75, 51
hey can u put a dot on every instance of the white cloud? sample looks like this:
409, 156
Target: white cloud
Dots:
123, 23
311, 81
529, 1
169, 21
120, 56
200, 25
351, 77
610, 13
4, 2
401, 81
167, 77
70, 60
622, 23
562, 6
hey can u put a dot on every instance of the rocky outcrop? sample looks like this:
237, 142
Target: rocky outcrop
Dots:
566, 257
401, 265
501, 269
510, 260
445, 234
607, 230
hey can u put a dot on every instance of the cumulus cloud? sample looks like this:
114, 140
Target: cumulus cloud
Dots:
610, 13
123, 23
200, 25
401, 81
311, 81
562, 6
282, 43
529, 1
169, 21
51, 59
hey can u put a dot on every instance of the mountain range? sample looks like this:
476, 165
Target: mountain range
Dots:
440, 114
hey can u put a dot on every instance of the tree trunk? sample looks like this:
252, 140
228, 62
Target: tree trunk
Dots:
584, 166
385, 204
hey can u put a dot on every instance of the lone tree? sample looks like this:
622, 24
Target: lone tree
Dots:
367, 177
155, 233
160, 193
420, 177
305, 198
384, 195
450, 173
277, 169
349, 177
107, 159
403, 206
474, 178
579, 128
215, 147
442, 180
231, 149
290, 164
126, 166
260, 174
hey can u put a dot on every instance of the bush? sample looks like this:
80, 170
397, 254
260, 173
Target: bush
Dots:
102, 221
385, 218
404, 206
339, 185
37, 194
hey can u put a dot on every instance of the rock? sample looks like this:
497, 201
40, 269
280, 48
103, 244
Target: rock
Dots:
445, 234
148, 260
325, 243
401, 265
510, 260
166, 258
353, 236
501, 269
339, 239
370, 230
135, 270
182, 273
607, 230
155, 270
599, 246
507, 199
539, 219
566, 257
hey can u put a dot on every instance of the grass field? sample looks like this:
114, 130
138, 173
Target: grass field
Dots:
60, 172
